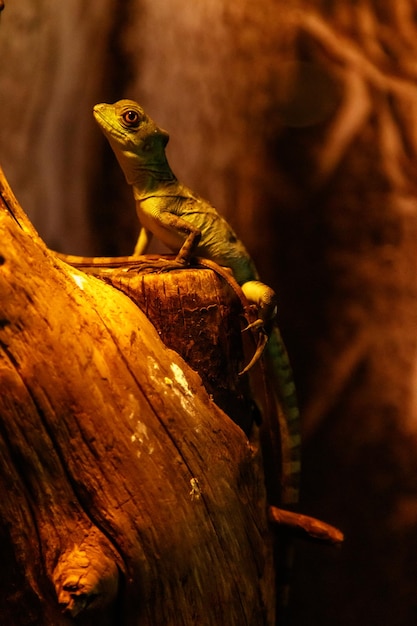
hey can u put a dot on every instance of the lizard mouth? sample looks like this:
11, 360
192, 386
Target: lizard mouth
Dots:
107, 126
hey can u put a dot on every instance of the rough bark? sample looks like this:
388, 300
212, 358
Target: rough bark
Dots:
297, 119
197, 313
128, 496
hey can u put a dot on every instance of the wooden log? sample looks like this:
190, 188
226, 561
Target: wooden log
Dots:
128, 495
196, 312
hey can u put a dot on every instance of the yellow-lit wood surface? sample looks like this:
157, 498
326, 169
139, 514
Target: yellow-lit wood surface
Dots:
125, 490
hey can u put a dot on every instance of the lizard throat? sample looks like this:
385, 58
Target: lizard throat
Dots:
146, 180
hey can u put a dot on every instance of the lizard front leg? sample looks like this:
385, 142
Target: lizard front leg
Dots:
182, 227
175, 232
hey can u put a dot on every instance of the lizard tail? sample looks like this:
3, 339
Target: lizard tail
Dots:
282, 423
274, 392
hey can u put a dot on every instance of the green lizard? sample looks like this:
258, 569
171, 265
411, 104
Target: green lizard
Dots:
166, 208
190, 227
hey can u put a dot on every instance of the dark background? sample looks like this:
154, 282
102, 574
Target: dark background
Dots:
298, 120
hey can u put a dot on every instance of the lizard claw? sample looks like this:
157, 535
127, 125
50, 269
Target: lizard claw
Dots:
262, 341
256, 325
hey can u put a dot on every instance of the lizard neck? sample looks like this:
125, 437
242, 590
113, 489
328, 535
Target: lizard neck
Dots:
146, 173
155, 184
152, 181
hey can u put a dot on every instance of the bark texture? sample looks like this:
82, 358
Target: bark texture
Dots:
298, 120
128, 496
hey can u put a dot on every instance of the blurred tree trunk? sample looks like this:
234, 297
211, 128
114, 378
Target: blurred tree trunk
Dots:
298, 120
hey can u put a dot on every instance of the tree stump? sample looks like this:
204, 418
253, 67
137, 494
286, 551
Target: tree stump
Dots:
129, 497
196, 312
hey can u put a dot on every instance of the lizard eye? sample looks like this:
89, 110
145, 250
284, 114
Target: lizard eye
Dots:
131, 118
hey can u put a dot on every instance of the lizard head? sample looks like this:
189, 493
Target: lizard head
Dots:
138, 143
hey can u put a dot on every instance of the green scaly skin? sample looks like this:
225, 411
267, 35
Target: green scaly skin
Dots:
190, 226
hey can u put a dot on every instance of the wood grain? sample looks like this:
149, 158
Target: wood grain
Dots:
116, 463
